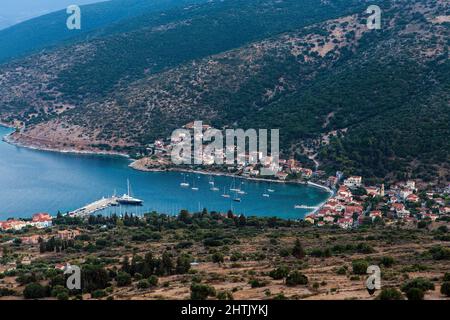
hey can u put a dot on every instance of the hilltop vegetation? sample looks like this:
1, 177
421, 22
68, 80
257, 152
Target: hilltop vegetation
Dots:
50, 30
206, 255
369, 102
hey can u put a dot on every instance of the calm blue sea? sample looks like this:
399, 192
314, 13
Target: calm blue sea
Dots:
34, 181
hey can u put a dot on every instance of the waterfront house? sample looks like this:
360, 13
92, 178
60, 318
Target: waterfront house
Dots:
282, 175
353, 181
307, 173
41, 220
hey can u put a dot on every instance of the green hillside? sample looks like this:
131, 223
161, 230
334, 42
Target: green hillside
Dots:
369, 102
50, 30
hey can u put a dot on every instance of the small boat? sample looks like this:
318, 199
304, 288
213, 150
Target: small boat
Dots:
236, 199
270, 190
213, 187
128, 199
211, 180
225, 195
234, 186
194, 188
302, 206
266, 195
184, 184
242, 192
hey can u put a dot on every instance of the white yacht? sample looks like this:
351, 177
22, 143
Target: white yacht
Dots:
128, 199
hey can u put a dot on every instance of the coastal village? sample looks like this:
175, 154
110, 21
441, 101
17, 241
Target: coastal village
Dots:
352, 203
354, 208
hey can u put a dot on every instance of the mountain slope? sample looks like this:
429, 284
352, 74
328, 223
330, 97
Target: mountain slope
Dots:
358, 100
50, 30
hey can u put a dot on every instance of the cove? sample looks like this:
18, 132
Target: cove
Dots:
42, 181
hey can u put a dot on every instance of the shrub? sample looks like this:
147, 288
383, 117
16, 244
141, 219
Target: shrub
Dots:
225, 295
217, 257
63, 295
446, 277
280, 296
342, 270
440, 253
123, 279
255, 283
183, 264
284, 252
97, 294
279, 273
201, 291
6, 292
143, 284
420, 283
34, 291
364, 248
360, 266
153, 280
415, 294
296, 278
445, 289
387, 261
390, 294
57, 290
297, 250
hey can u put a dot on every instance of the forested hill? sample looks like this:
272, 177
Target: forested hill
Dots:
96, 19
369, 102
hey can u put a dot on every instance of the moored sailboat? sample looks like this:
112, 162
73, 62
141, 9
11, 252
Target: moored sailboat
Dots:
128, 199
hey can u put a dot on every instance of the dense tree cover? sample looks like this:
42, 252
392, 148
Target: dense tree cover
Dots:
50, 30
377, 92
128, 55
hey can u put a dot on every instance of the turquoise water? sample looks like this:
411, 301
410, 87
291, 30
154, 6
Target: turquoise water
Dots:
34, 181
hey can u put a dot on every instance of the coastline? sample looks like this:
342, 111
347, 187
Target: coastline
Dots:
14, 142
133, 163
214, 173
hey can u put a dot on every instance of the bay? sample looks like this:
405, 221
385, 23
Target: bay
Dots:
41, 181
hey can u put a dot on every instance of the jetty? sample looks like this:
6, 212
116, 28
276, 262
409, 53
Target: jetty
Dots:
95, 206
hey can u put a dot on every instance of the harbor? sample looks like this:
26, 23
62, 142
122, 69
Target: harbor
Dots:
94, 207
61, 182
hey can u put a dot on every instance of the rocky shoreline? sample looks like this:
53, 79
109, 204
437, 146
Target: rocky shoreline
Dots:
9, 138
